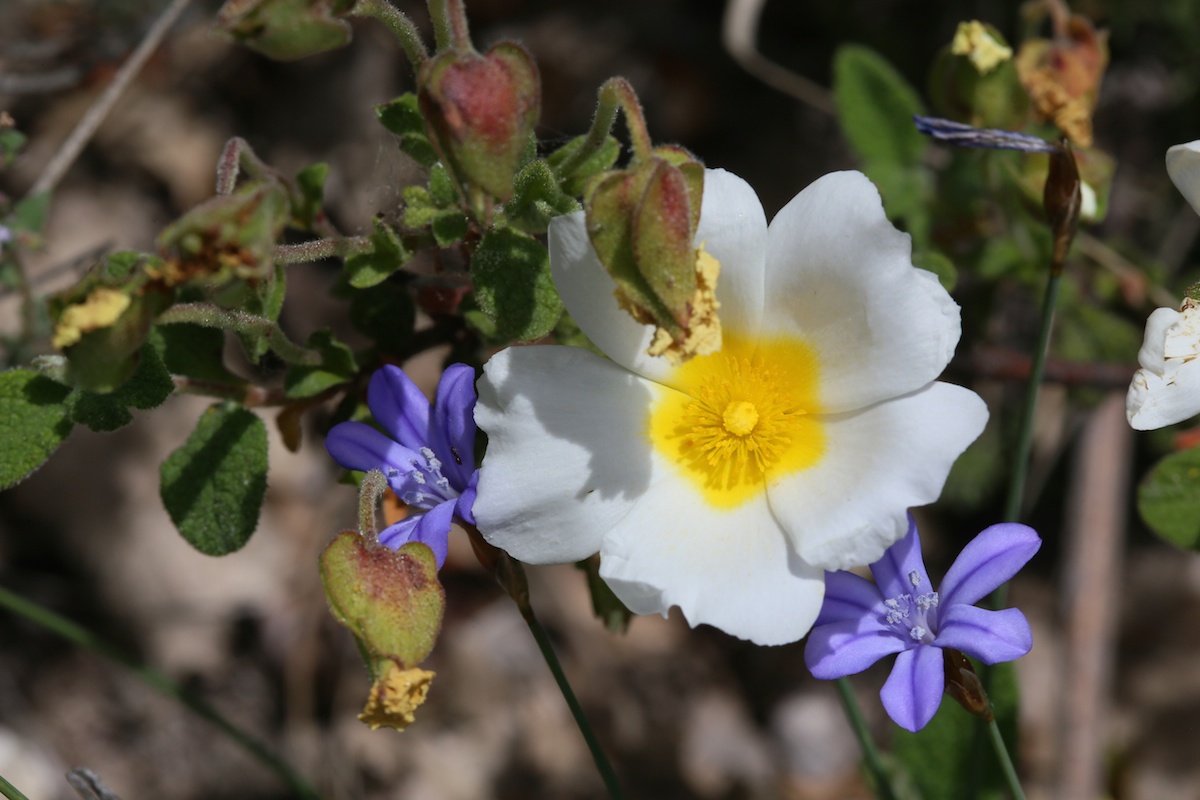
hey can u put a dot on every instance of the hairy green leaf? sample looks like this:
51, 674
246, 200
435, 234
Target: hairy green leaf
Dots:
513, 286
875, 107
1169, 499
33, 422
213, 485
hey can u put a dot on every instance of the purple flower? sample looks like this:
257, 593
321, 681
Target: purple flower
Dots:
861, 622
429, 459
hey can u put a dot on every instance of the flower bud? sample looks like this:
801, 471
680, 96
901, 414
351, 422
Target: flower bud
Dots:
973, 80
964, 685
481, 110
642, 224
1062, 199
285, 30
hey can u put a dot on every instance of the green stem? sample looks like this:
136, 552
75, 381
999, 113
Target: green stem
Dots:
883, 786
60, 626
320, 248
635, 120
236, 157
10, 791
605, 769
450, 25
210, 316
607, 104
400, 25
1006, 763
1020, 468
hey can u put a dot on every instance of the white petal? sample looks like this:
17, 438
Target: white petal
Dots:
852, 504
566, 457
732, 229
1166, 389
587, 292
1183, 165
733, 569
840, 276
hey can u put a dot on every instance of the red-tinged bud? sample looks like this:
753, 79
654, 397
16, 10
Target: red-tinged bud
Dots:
642, 224
481, 111
390, 600
285, 30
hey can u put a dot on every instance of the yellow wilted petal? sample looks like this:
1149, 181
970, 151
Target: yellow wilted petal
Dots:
102, 308
973, 40
396, 694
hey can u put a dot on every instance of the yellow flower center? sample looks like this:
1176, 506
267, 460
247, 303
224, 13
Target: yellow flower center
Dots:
743, 415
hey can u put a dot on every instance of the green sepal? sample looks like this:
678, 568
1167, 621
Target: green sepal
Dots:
605, 156
402, 117
34, 421
337, 366
663, 231
537, 198
390, 600
213, 485
285, 30
513, 286
1169, 499
387, 255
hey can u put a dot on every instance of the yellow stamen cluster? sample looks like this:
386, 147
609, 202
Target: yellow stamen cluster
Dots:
703, 334
394, 696
745, 413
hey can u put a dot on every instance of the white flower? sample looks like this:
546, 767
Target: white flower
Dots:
728, 485
1166, 389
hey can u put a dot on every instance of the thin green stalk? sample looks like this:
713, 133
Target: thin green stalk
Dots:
607, 774
1006, 764
1020, 467
400, 25
450, 25
10, 791
607, 104
372, 488
60, 626
210, 316
883, 785
320, 248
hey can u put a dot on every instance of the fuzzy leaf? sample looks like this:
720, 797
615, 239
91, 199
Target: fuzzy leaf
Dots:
1169, 499
513, 286
388, 255
876, 106
337, 366
596, 163
386, 314
402, 117
148, 387
33, 422
193, 351
213, 485
390, 599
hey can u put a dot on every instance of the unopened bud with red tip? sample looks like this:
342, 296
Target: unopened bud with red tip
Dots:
481, 111
642, 224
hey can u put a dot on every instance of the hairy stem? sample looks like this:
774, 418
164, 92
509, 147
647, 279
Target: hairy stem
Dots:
211, 316
320, 248
450, 25
606, 114
399, 24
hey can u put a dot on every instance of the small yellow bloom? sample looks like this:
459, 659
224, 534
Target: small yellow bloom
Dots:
973, 40
102, 308
396, 694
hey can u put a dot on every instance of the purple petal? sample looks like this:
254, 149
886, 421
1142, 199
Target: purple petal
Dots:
454, 420
991, 558
990, 636
464, 510
900, 565
913, 691
399, 406
850, 646
431, 529
989, 138
849, 597
356, 445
